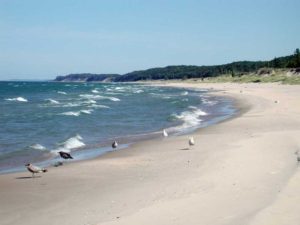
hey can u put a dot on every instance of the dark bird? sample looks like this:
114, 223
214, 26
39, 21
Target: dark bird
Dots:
35, 169
298, 156
65, 155
114, 144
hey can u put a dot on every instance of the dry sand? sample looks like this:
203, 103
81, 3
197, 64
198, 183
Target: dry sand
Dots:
242, 171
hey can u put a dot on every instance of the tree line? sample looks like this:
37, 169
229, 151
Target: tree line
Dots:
187, 72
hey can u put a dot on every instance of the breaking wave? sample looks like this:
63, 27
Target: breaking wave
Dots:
52, 101
18, 99
77, 113
70, 144
38, 147
190, 118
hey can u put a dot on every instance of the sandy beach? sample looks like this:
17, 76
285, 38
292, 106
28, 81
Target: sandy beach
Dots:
241, 171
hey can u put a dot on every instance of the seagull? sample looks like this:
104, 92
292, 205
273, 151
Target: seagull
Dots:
114, 144
165, 134
35, 169
65, 155
191, 141
298, 156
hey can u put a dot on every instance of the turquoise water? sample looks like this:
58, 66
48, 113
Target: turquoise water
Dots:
37, 119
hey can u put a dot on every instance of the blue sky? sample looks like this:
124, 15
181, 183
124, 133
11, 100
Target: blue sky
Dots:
42, 39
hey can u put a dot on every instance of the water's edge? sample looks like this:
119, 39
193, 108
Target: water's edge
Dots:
93, 152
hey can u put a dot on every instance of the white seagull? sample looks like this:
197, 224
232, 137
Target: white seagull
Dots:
191, 141
165, 134
35, 169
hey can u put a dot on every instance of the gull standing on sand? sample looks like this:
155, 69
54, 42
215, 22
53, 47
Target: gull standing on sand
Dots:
114, 144
165, 134
298, 156
65, 155
191, 141
35, 169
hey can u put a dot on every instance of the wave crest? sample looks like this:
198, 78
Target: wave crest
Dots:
17, 99
70, 144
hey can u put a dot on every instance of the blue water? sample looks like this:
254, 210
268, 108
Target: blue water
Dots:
37, 119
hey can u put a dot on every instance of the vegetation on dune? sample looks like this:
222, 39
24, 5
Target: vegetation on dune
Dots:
242, 71
234, 69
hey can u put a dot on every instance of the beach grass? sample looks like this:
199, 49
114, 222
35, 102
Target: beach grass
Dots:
283, 78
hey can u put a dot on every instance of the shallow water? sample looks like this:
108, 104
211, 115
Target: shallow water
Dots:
38, 119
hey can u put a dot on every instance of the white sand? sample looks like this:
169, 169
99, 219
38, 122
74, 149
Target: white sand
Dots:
242, 171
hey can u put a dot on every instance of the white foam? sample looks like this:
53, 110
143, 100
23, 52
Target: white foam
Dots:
74, 142
71, 113
99, 106
138, 91
184, 93
86, 111
208, 102
52, 101
190, 118
90, 101
77, 113
70, 104
88, 96
113, 99
38, 147
95, 91
18, 99
70, 144
62, 92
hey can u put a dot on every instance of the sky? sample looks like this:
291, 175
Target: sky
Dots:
43, 39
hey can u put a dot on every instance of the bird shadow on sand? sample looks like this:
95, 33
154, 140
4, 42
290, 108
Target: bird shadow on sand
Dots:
29, 177
184, 149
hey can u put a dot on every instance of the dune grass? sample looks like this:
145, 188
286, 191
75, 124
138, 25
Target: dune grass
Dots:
254, 78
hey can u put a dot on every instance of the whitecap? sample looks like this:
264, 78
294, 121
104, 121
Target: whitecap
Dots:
113, 99
184, 93
138, 91
73, 142
77, 113
95, 91
71, 113
98, 106
52, 101
71, 104
208, 102
86, 111
190, 118
38, 147
90, 101
70, 144
18, 99
88, 96
62, 92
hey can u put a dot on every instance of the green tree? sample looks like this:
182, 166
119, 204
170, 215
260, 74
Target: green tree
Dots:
297, 57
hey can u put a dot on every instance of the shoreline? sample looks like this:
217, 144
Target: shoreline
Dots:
241, 171
97, 150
